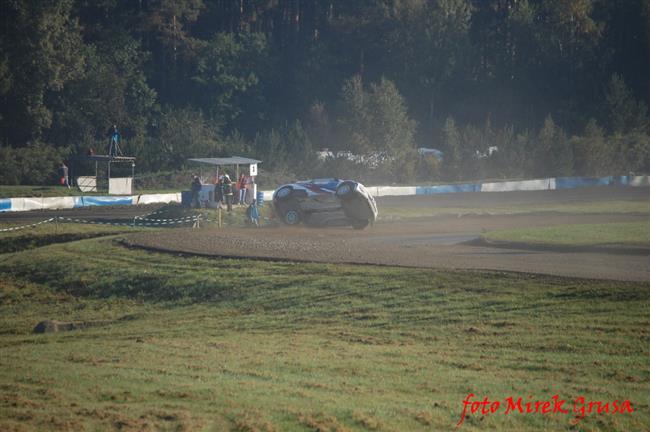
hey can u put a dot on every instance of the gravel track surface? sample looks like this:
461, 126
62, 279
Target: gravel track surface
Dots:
442, 242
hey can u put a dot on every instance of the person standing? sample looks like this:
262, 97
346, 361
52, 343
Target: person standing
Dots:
114, 146
218, 191
63, 175
227, 191
253, 214
241, 186
195, 187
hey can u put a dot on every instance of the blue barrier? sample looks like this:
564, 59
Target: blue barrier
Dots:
5, 204
105, 201
620, 180
576, 182
441, 189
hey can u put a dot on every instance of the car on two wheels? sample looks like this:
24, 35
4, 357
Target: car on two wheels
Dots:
325, 202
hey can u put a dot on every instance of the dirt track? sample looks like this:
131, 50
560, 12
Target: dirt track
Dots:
438, 242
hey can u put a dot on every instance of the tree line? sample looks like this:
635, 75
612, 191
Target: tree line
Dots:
557, 87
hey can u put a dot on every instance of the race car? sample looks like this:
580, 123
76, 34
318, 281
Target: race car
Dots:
325, 202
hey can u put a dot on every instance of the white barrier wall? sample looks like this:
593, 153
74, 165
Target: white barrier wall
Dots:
157, 198
525, 185
26, 204
392, 190
639, 181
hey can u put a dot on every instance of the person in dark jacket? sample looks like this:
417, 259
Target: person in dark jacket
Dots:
195, 187
227, 191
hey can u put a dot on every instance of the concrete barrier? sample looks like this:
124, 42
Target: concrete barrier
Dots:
576, 182
106, 201
157, 198
25, 204
639, 181
395, 190
444, 189
524, 185
5, 204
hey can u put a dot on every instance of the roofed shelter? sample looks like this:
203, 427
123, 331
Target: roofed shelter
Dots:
235, 162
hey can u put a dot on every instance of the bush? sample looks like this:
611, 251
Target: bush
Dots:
36, 164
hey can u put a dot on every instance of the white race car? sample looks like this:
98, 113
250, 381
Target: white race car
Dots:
325, 202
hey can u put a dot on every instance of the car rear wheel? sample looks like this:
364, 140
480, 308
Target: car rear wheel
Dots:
291, 217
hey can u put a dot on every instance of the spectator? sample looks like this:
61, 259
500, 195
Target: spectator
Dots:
227, 191
218, 191
114, 146
63, 175
253, 214
241, 186
195, 187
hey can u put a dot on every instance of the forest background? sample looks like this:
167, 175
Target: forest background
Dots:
559, 87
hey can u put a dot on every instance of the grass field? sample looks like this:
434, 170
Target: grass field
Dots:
192, 343
622, 206
626, 234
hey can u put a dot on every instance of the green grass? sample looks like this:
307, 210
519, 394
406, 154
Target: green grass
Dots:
53, 232
626, 234
392, 213
219, 344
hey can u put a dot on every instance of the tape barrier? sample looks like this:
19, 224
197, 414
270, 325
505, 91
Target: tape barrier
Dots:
21, 227
151, 222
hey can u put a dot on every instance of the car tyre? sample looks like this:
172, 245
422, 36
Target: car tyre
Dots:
291, 217
284, 193
359, 225
345, 190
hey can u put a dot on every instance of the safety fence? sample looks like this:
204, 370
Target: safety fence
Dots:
24, 204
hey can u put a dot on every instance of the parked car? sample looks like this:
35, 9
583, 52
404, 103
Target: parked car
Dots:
325, 202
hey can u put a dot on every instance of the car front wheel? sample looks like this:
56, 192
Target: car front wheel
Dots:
284, 193
359, 225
